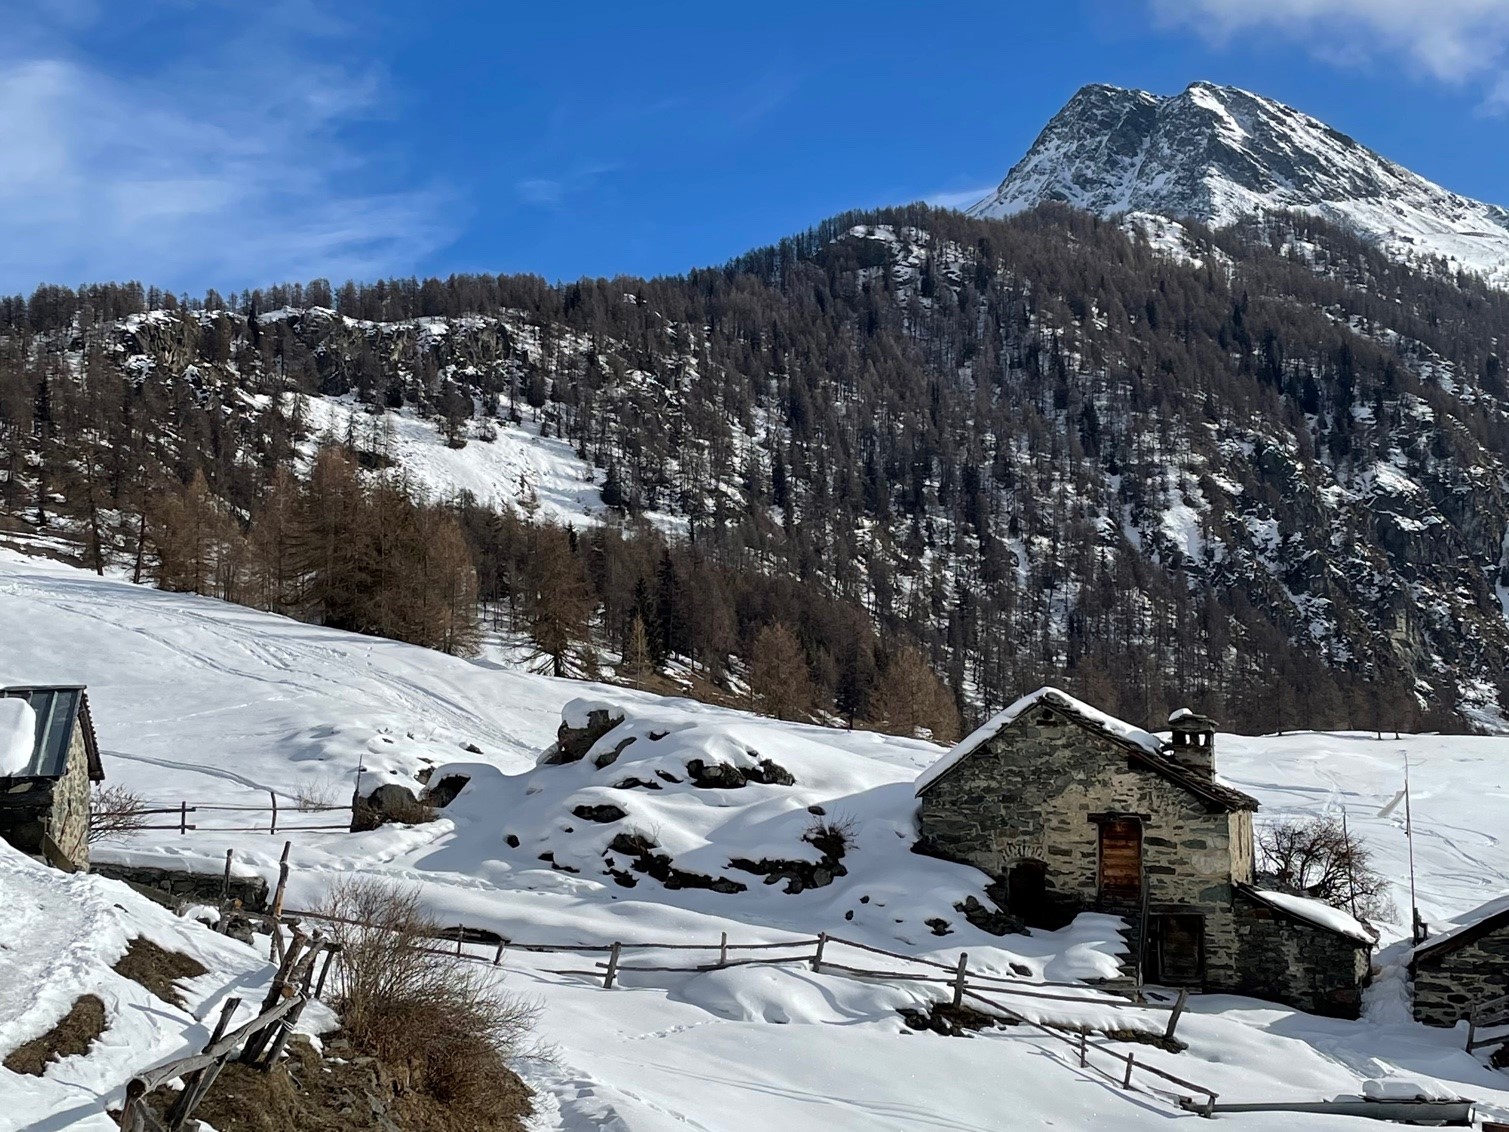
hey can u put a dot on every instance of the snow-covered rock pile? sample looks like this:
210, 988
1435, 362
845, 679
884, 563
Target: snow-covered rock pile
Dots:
676, 798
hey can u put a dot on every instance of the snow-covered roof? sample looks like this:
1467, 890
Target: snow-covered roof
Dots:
1315, 912
1053, 697
18, 736
56, 712
1466, 928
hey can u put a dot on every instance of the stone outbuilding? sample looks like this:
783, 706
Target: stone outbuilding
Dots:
45, 778
1464, 968
1069, 809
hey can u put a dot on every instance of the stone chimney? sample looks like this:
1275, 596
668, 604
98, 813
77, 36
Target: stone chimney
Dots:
1193, 741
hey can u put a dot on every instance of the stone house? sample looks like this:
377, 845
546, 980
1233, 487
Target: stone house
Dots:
1069, 810
1463, 968
44, 793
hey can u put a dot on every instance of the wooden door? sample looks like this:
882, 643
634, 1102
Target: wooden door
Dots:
1179, 947
1121, 860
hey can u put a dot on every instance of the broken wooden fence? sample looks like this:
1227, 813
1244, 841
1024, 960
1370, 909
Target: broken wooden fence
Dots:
260, 1041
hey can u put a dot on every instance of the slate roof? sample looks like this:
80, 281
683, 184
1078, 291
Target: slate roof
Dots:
1143, 748
1483, 920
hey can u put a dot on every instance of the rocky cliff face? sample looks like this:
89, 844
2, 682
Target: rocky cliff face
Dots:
1219, 155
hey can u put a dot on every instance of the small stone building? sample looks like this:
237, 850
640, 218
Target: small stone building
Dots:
44, 799
1463, 968
1069, 810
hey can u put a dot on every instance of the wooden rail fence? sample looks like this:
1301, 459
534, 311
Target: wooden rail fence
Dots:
182, 810
1127, 1073
977, 986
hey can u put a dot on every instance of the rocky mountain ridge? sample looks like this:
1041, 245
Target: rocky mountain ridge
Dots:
1219, 155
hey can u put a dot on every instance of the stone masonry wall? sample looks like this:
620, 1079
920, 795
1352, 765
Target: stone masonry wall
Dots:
1447, 987
1288, 960
193, 888
1029, 791
69, 821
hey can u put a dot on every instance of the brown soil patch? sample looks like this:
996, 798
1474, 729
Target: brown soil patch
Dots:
158, 969
950, 1020
84, 1022
342, 1092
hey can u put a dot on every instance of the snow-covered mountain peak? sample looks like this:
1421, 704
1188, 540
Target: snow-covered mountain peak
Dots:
1218, 154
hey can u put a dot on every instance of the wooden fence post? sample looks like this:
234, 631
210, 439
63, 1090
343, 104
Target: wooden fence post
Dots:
959, 978
612, 966
274, 798
330, 950
132, 1110
225, 881
723, 950
498, 955
197, 1084
1126, 1082
817, 959
1173, 1018
276, 945
460, 931
1083, 1042
183, 817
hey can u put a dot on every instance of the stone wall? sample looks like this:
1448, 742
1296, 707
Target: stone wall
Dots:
1449, 984
1290, 960
1030, 792
69, 821
191, 888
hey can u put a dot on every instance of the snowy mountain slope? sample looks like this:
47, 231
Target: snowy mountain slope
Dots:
1219, 154
206, 701
505, 464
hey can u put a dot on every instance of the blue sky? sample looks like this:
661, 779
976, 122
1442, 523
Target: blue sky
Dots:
200, 143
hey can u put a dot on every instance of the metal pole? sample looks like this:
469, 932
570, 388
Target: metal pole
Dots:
1416, 934
1346, 841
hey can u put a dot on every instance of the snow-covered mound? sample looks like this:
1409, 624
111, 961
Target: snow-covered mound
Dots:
1219, 154
60, 938
768, 826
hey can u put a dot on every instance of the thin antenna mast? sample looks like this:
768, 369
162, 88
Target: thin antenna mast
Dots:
1417, 929
1346, 841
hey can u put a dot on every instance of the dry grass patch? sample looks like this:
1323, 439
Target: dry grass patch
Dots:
439, 1025
84, 1022
158, 969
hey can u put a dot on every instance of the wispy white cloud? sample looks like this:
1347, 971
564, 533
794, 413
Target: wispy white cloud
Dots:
959, 199
226, 167
1453, 41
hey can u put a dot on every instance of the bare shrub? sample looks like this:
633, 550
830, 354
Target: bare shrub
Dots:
115, 814
439, 1023
1318, 857
834, 836
317, 795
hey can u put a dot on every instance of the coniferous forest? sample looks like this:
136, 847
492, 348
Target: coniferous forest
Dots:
897, 470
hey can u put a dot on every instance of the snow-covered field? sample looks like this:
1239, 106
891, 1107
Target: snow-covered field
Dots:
210, 703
